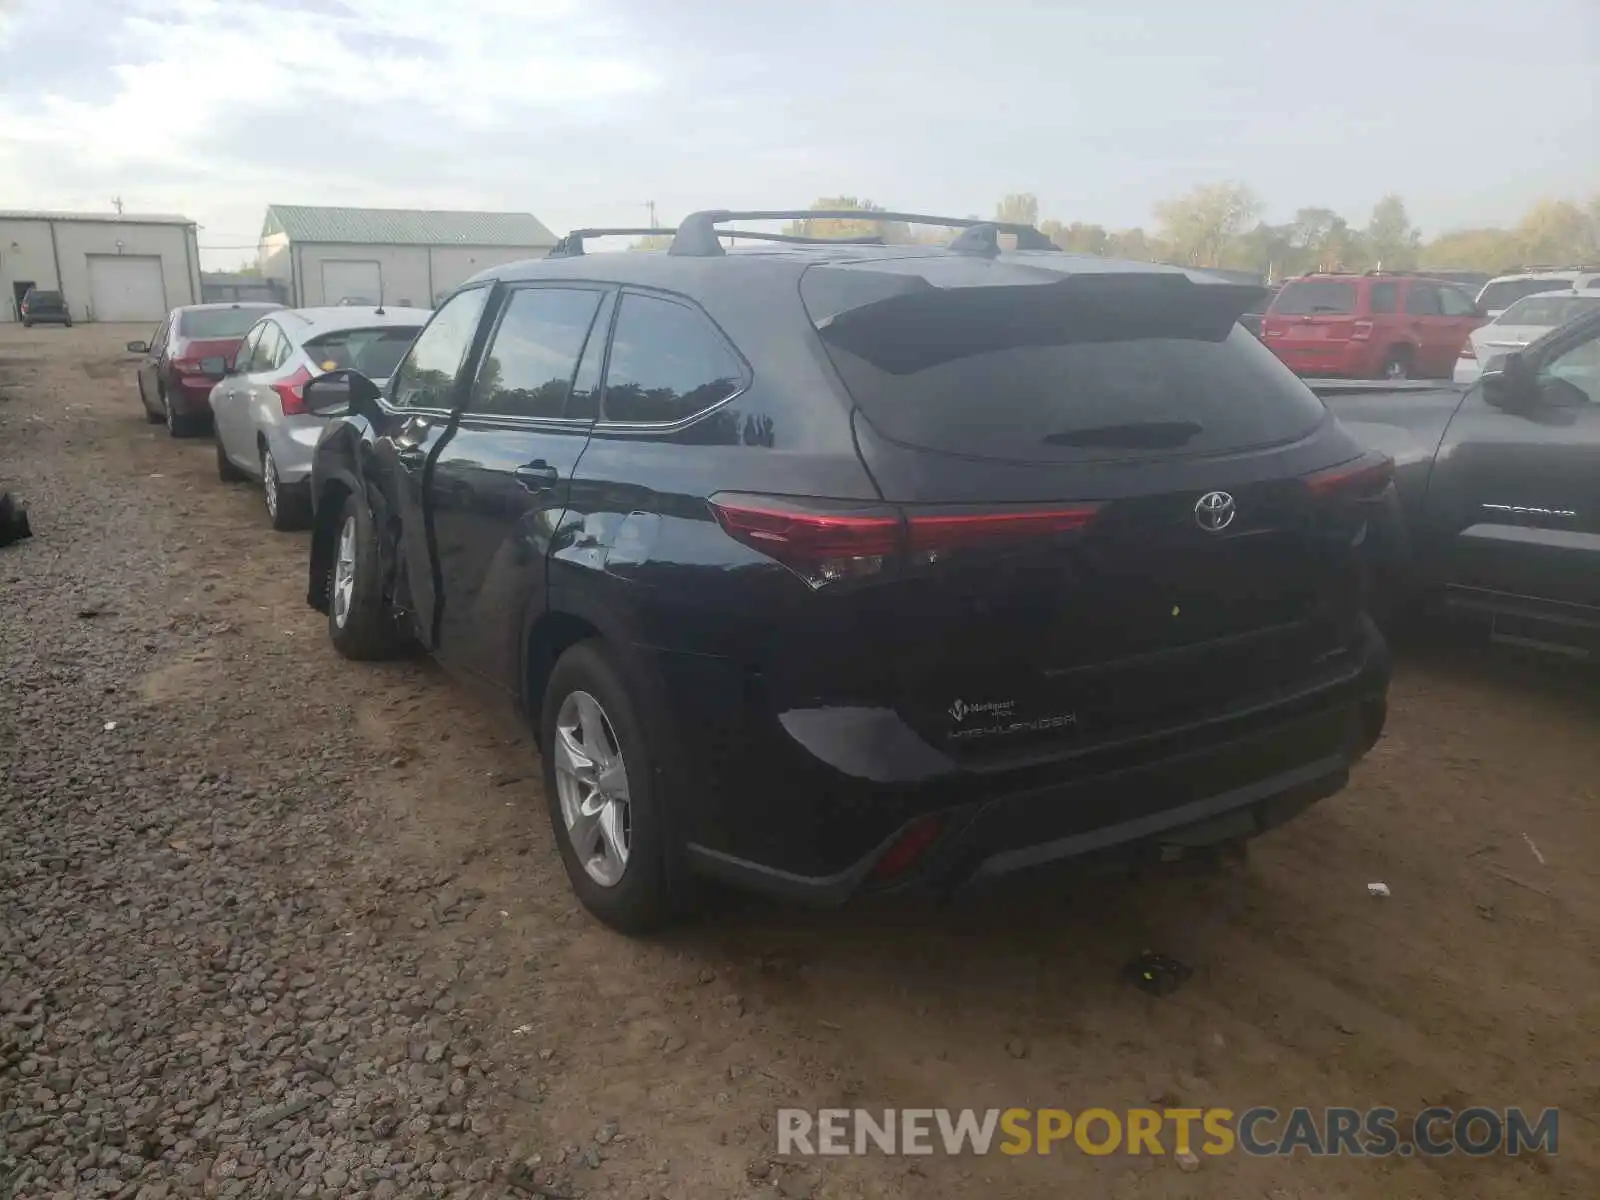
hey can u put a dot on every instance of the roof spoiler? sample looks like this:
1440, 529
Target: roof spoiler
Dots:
699, 237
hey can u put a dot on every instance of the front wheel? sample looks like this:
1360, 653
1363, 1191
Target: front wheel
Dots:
606, 796
360, 624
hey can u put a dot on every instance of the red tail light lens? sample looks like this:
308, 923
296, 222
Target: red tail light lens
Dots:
909, 848
827, 541
1360, 479
291, 393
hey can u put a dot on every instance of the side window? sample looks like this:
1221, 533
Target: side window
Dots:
282, 349
158, 339
426, 376
1579, 367
267, 348
246, 350
1455, 303
528, 367
1422, 300
584, 402
667, 363
1384, 297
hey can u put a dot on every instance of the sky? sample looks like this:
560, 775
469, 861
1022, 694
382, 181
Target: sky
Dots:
582, 111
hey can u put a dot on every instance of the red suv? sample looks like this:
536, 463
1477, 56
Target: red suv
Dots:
1372, 326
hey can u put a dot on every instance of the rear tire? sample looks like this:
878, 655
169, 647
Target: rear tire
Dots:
181, 425
226, 471
594, 743
288, 505
360, 624
1396, 364
150, 414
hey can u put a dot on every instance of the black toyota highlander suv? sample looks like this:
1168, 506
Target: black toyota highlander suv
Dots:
826, 567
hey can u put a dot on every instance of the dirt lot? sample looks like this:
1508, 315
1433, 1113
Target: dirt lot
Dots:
296, 927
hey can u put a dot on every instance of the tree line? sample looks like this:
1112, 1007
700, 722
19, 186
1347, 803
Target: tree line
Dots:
1219, 225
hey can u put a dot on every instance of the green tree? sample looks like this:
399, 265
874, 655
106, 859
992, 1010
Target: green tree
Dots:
1078, 237
1492, 250
1559, 232
1020, 208
834, 227
1199, 226
1392, 239
653, 241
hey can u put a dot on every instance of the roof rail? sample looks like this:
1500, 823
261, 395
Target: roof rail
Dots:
698, 233
571, 246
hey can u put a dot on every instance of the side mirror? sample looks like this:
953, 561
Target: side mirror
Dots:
138, 347
216, 365
1509, 383
340, 392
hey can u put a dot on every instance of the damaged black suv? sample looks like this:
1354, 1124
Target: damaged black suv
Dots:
824, 567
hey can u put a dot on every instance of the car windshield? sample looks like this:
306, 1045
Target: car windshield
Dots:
1312, 297
202, 323
1503, 293
1547, 310
38, 297
373, 352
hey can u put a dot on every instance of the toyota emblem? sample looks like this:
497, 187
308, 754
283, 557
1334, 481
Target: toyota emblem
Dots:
1214, 511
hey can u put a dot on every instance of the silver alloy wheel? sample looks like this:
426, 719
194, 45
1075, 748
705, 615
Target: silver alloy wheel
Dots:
592, 785
1395, 368
344, 573
269, 483
166, 411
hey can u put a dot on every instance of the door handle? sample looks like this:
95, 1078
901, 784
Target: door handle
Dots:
537, 475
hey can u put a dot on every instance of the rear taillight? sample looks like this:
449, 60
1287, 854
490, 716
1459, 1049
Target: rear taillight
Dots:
828, 541
291, 393
1361, 331
1360, 479
188, 366
908, 849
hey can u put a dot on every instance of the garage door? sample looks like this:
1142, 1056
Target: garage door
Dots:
127, 287
346, 279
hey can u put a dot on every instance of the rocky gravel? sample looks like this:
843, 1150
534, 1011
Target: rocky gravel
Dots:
274, 924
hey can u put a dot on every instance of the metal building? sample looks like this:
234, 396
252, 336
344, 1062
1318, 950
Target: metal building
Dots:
396, 256
110, 267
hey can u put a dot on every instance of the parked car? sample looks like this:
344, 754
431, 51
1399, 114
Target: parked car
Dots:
1524, 322
44, 307
263, 430
818, 571
1369, 326
1501, 292
1499, 488
1470, 282
184, 358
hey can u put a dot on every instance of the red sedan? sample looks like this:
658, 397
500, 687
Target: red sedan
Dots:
185, 357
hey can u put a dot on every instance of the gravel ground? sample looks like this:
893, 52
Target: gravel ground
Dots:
272, 924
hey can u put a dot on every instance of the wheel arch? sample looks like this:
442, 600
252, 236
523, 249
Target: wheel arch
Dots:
549, 636
328, 502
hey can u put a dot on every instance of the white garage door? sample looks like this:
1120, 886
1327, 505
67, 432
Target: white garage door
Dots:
127, 287
345, 279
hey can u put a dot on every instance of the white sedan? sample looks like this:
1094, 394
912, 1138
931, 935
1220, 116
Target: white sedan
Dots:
1529, 318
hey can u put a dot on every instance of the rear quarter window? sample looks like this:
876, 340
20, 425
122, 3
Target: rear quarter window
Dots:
668, 363
1314, 297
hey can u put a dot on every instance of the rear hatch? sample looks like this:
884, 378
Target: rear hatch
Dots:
1313, 316
1118, 511
41, 304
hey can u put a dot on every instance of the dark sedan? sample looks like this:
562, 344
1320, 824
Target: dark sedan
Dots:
185, 357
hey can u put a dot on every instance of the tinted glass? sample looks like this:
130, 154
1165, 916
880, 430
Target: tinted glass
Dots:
373, 352
1456, 303
667, 363
217, 322
1547, 310
1383, 297
43, 299
1506, 292
247, 349
426, 376
1579, 366
1051, 379
1422, 300
584, 403
269, 351
1309, 297
530, 363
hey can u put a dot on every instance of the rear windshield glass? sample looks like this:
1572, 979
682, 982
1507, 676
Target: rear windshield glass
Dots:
373, 352
1506, 292
217, 322
1547, 310
35, 296
1021, 374
1308, 297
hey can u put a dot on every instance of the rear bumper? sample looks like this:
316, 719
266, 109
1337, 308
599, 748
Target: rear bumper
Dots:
1344, 360
47, 318
794, 826
190, 396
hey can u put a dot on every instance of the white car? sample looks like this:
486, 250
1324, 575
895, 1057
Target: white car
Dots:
1527, 319
1503, 291
259, 416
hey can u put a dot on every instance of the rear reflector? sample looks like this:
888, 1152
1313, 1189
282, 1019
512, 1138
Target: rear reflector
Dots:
829, 541
908, 849
1361, 478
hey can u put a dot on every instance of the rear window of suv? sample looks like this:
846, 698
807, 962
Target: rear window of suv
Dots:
35, 296
1312, 297
1046, 374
